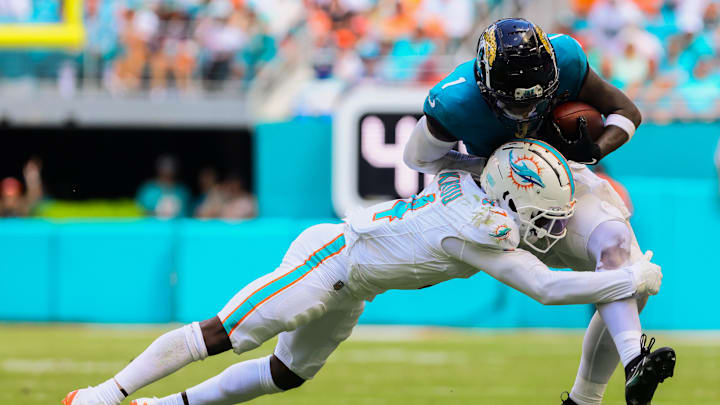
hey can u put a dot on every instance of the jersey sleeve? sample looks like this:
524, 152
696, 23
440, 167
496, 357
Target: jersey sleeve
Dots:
438, 110
572, 64
447, 102
491, 227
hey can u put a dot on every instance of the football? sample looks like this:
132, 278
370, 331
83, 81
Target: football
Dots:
565, 116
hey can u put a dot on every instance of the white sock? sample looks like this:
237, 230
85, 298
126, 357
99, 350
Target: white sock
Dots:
174, 399
109, 393
238, 383
164, 356
598, 361
623, 323
586, 392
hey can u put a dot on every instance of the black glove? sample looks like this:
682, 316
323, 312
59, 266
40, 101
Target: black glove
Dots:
580, 149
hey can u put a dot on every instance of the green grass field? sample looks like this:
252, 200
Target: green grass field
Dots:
39, 364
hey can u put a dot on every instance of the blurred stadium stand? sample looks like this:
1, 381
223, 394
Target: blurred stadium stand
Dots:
250, 87
293, 57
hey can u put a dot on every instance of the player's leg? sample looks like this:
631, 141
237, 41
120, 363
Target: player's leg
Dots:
294, 296
600, 237
615, 327
305, 350
167, 354
299, 355
251, 317
615, 245
615, 331
598, 361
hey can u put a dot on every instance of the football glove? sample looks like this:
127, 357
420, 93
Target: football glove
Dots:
647, 276
579, 148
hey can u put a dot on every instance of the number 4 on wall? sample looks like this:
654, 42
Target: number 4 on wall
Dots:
390, 155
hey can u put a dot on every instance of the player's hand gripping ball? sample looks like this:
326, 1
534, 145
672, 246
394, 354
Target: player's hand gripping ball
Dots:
573, 128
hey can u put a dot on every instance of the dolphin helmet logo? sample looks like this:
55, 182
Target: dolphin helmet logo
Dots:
523, 176
502, 232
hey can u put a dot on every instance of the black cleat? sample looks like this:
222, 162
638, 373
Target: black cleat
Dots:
567, 400
646, 371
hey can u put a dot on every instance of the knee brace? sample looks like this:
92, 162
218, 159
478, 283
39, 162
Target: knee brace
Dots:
282, 376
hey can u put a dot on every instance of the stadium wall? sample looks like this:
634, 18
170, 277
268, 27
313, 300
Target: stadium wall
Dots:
184, 270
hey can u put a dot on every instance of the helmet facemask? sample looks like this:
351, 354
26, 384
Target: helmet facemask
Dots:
541, 229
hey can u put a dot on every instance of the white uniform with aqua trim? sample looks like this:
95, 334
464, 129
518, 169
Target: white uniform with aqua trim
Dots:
397, 244
315, 297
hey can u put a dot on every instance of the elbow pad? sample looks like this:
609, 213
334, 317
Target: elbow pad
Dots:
423, 147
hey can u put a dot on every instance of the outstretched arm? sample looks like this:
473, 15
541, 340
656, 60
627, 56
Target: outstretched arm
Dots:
524, 272
430, 153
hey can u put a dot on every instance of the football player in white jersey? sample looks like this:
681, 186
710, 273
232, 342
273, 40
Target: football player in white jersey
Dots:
453, 229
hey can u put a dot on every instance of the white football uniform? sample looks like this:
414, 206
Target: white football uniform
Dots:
450, 230
397, 244
597, 202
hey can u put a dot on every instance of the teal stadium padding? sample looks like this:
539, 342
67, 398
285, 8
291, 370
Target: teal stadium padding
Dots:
215, 259
26, 270
293, 164
185, 270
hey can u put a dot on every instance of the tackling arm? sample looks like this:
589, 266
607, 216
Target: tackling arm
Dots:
622, 116
524, 272
430, 153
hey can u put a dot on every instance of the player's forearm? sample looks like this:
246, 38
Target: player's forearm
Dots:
611, 102
427, 154
569, 287
457, 161
612, 138
525, 273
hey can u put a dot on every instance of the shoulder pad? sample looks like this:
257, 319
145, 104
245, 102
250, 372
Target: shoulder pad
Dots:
572, 64
491, 226
444, 101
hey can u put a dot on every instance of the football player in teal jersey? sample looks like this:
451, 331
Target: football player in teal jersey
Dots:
507, 91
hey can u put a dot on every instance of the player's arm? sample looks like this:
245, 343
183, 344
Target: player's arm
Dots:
430, 150
524, 272
622, 115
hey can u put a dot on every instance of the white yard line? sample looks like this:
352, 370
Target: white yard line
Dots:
58, 366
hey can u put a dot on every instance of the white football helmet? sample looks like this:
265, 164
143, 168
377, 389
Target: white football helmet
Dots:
532, 180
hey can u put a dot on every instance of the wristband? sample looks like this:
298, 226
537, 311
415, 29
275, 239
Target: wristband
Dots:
621, 122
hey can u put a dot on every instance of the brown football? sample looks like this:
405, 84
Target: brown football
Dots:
565, 117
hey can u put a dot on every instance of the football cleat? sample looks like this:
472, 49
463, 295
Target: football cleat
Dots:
646, 371
85, 396
145, 401
567, 400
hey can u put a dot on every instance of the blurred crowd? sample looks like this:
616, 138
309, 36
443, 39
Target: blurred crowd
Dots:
663, 53
396, 40
162, 45
135, 44
20, 198
164, 196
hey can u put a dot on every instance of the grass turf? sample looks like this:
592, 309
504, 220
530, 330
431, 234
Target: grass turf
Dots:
39, 364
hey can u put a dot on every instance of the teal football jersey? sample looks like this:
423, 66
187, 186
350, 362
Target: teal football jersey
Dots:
457, 104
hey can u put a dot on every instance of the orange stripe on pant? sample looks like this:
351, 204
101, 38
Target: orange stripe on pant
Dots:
334, 250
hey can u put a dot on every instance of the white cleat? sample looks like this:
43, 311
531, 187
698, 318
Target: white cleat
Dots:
85, 396
145, 401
